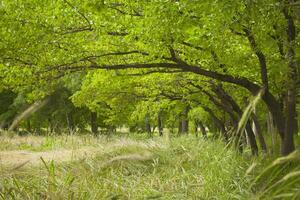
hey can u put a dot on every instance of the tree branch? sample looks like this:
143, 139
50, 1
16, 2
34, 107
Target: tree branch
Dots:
79, 12
261, 57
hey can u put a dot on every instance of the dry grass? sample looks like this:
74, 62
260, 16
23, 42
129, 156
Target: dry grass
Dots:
123, 168
26, 151
182, 168
47, 143
16, 158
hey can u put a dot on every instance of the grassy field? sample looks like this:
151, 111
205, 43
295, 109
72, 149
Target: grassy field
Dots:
130, 168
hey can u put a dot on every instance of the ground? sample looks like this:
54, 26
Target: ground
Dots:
88, 167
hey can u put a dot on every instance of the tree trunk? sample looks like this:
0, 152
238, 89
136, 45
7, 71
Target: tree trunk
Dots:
258, 132
159, 124
196, 128
202, 128
185, 126
218, 122
50, 125
269, 99
288, 145
28, 126
185, 120
272, 131
226, 102
179, 127
94, 124
147, 125
2, 123
291, 125
70, 122
111, 130
251, 138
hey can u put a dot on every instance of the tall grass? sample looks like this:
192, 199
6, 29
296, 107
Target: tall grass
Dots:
278, 180
183, 168
159, 168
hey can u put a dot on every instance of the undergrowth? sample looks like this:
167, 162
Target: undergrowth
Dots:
180, 168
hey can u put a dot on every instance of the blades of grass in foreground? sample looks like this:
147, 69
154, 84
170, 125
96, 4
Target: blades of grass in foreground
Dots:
279, 180
246, 115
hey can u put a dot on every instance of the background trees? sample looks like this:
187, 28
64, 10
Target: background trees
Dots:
162, 60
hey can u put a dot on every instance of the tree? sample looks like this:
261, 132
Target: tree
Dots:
251, 44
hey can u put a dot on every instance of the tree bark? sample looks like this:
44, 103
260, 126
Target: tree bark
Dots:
179, 127
252, 140
271, 130
50, 126
202, 128
291, 121
159, 124
258, 132
28, 126
70, 122
261, 57
196, 128
2, 124
94, 124
185, 120
147, 125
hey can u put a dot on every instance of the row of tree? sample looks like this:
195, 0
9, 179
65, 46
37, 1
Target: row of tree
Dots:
204, 58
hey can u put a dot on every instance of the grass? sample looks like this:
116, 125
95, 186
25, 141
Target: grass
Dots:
47, 143
177, 168
280, 179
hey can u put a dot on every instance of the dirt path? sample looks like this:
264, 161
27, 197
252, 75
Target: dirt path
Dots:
17, 159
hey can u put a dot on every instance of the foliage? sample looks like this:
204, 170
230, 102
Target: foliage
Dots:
147, 64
